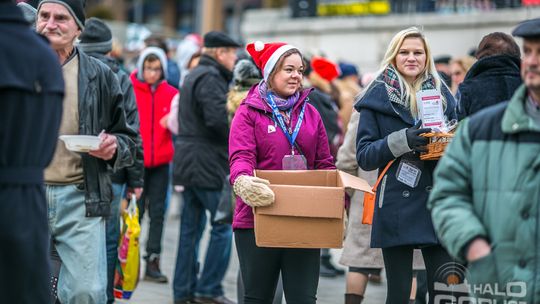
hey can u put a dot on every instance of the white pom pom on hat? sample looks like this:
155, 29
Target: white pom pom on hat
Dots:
259, 46
266, 55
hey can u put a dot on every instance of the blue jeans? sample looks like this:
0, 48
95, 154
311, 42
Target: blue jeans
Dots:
186, 281
80, 242
112, 235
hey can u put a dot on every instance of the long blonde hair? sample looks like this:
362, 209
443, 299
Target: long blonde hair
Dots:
408, 90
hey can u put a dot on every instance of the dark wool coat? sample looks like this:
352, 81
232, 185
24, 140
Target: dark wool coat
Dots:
401, 216
490, 80
201, 157
31, 94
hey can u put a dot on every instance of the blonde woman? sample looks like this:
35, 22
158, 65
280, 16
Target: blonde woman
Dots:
389, 130
458, 69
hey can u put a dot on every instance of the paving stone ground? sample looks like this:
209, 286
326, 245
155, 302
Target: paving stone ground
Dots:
331, 290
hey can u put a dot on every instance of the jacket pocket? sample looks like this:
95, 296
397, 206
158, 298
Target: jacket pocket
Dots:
482, 274
381, 191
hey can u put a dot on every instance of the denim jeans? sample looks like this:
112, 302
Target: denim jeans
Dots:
112, 235
187, 283
80, 242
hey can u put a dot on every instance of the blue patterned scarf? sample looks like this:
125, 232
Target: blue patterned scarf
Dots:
281, 103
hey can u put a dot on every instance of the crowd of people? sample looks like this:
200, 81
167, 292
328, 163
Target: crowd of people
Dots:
206, 118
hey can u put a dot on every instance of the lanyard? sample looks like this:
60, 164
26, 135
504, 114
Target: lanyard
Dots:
291, 136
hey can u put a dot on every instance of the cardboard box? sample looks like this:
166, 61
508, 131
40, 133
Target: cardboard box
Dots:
308, 210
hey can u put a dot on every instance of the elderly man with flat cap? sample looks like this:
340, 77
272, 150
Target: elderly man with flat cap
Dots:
201, 165
78, 186
486, 197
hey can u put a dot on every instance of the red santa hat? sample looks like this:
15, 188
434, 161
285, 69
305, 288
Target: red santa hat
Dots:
326, 68
266, 55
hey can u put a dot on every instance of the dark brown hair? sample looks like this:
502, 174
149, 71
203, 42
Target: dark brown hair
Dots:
151, 58
497, 43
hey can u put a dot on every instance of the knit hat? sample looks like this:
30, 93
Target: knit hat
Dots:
246, 73
266, 55
96, 37
29, 12
327, 69
347, 69
75, 8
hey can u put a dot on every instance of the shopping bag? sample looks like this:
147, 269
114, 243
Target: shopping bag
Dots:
126, 274
369, 198
225, 208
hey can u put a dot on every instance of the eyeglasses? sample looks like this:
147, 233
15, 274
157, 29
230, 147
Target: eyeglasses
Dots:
154, 70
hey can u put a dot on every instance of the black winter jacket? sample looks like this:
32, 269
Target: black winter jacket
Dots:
490, 80
101, 107
132, 175
201, 153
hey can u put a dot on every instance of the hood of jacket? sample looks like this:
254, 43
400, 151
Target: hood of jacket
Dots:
152, 50
495, 65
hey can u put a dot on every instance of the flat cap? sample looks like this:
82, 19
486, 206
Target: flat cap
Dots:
219, 39
528, 29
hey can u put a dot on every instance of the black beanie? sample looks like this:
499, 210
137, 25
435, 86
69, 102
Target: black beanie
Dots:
75, 8
96, 37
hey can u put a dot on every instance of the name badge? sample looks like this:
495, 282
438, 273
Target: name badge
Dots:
294, 162
408, 174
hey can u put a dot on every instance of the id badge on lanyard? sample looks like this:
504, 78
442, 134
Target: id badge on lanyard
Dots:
292, 161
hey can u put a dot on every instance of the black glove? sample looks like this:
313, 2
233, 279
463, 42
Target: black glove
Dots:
414, 140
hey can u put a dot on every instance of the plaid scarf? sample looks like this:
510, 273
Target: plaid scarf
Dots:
391, 82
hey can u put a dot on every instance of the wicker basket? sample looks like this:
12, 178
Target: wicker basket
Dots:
436, 146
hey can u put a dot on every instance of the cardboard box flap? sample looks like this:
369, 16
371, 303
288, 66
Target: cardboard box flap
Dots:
322, 178
354, 182
305, 201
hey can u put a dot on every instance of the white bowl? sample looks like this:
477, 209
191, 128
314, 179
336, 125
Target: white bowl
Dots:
81, 143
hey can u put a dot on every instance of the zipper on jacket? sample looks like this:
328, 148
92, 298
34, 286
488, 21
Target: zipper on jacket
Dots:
152, 132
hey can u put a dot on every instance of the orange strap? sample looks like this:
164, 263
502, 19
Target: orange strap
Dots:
382, 174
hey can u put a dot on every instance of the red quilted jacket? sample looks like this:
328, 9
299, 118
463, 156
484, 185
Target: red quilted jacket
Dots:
152, 106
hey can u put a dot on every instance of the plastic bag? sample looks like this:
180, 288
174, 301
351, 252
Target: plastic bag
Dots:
126, 273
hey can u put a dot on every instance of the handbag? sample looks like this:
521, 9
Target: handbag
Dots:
225, 208
369, 198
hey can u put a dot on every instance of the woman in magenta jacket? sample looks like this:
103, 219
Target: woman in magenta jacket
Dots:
274, 129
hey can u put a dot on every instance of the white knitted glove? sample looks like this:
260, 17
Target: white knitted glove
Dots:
254, 191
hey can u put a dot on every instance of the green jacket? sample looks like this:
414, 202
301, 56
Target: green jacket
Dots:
488, 185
